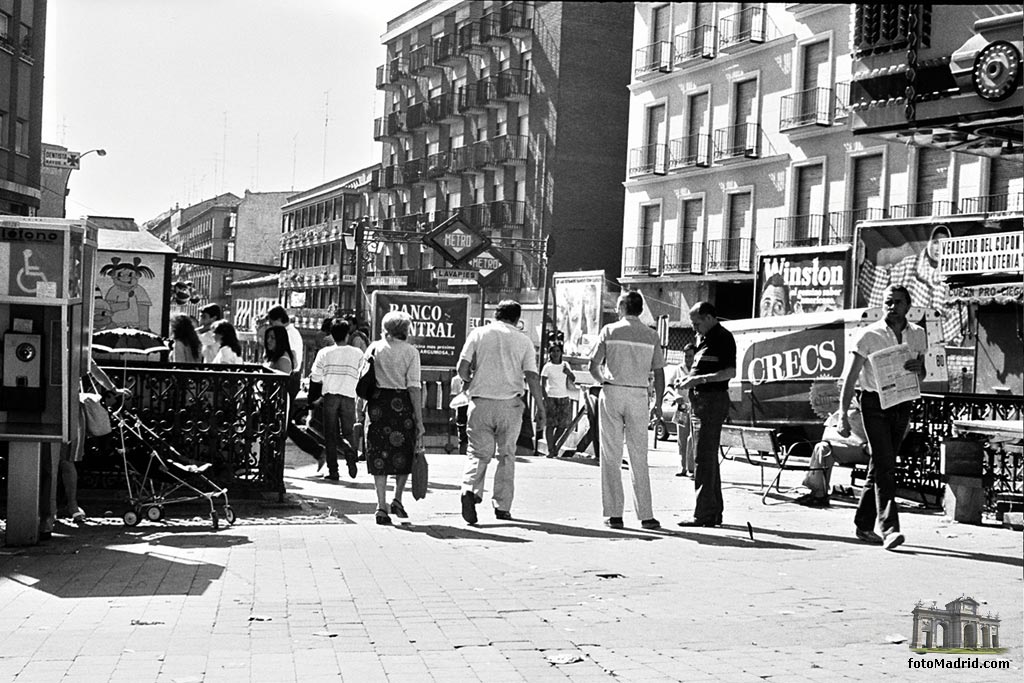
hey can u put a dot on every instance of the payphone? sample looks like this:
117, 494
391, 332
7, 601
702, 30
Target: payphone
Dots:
46, 264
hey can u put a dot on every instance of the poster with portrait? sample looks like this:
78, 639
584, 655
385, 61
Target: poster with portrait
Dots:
130, 290
802, 280
578, 302
909, 255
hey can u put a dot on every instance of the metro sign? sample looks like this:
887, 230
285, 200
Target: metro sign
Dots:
456, 241
490, 264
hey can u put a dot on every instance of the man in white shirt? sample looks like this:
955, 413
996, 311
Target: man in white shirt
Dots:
556, 381
498, 362
208, 315
278, 317
885, 427
333, 382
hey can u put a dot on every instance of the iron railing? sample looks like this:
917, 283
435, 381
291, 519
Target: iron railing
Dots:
653, 58
939, 207
684, 257
742, 140
509, 149
697, 42
393, 177
507, 213
749, 25
514, 84
461, 159
393, 73
413, 171
467, 38
438, 165
416, 115
801, 231
692, 150
441, 108
732, 255
466, 98
389, 126
993, 203
487, 92
483, 155
842, 223
231, 416
421, 60
813, 106
642, 260
647, 160
445, 49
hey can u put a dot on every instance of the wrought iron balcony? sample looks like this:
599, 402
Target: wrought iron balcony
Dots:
376, 177
508, 214
684, 257
421, 61
416, 116
478, 215
652, 59
446, 50
993, 203
414, 171
747, 26
642, 260
514, 84
466, 99
692, 150
743, 140
648, 160
699, 42
810, 230
390, 126
483, 155
923, 209
842, 223
393, 177
512, 20
461, 159
439, 166
392, 75
509, 149
467, 40
731, 255
487, 93
416, 222
813, 106
441, 108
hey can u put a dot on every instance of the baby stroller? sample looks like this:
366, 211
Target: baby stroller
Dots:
157, 474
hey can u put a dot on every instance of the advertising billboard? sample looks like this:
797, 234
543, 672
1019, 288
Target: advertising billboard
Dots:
440, 323
802, 281
578, 301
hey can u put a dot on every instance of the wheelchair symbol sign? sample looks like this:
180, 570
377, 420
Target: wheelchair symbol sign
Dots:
33, 270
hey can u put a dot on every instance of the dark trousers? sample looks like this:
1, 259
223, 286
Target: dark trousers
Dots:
709, 412
885, 431
339, 421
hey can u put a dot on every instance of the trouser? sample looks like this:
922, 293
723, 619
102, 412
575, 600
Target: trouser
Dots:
709, 410
623, 416
885, 431
685, 444
493, 426
339, 419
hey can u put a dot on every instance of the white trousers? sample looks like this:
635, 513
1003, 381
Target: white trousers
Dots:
493, 426
623, 414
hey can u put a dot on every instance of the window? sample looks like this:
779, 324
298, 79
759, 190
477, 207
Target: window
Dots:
649, 240
685, 256
5, 27
809, 205
815, 96
21, 137
654, 147
3, 130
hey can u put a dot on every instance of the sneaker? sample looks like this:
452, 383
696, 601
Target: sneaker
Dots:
869, 536
650, 524
469, 507
398, 511
893, 540
352, 468
568, 454
78, 517
614, 522
503, 514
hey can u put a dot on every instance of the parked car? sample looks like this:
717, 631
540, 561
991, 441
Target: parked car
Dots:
665, 426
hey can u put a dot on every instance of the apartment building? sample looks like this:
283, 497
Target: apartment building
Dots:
509, 115
22, 47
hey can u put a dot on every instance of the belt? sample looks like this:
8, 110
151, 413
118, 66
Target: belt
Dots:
624, 386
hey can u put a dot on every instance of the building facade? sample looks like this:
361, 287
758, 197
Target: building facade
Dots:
22, 47
508, 115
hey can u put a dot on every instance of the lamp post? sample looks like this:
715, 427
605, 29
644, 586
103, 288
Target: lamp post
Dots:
74, 163
355, 242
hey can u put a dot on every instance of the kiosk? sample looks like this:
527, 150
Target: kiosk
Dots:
46, 273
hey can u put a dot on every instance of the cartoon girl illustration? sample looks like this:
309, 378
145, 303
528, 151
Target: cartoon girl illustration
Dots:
129, 303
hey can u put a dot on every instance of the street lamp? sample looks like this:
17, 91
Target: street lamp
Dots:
354, 242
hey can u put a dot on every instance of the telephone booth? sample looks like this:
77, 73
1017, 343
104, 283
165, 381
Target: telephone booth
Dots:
46, 283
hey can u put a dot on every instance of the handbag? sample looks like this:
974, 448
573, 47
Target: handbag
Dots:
97, 419
366, 385
419, 475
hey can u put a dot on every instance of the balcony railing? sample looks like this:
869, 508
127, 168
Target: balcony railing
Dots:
414, 171
743, 140
445, 49
642, 260
478, 215
648, 160
692, 150
393, 177
487, 92
731, 255
466, 98
512, 20
421, 61
814, 106
514, 84
461, 159
993, 203
801, 231
389, 126
697, 42
393, 74
416, 116
923, 209
842, 223
483, 155
842, 101
441, 108
438, 165
509, 149
508, 214
467, 39
684, 257
749, 25
653, 58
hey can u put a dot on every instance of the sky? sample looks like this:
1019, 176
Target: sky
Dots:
192, 98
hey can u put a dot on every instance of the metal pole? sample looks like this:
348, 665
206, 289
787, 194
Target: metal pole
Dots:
483, 311
360, 237
544, 306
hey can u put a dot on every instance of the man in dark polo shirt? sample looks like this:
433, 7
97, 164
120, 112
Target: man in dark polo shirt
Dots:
713, 366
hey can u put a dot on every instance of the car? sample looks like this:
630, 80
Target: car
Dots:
663, 423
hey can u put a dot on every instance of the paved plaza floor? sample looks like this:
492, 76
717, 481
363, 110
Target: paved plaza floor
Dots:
316, 591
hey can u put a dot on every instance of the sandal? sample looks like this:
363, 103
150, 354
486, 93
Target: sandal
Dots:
398, 511
382, 518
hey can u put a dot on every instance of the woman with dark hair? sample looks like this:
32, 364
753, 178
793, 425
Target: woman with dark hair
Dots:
395, 412
187, 347
278, 350
228, 349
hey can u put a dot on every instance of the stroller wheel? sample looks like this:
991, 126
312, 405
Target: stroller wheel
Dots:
154, 513
130, 517
229, 515
214, 519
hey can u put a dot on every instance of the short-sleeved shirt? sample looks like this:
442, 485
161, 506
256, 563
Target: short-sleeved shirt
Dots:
555, 374
716, 351
878, 336
337, 368
210, 347
295, 342
501, 355
629, 350
396, 363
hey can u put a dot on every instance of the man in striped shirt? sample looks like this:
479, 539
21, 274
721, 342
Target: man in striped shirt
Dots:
625, 355
333, 382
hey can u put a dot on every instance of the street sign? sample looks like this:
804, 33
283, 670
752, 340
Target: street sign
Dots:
60, 158
387, 281
455, 274
456, 241
490, 264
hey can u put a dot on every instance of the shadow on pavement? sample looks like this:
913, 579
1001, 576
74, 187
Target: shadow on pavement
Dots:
742, 541
447, 533
960, 555
577, 531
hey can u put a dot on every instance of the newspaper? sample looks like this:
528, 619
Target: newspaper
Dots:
895, 383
